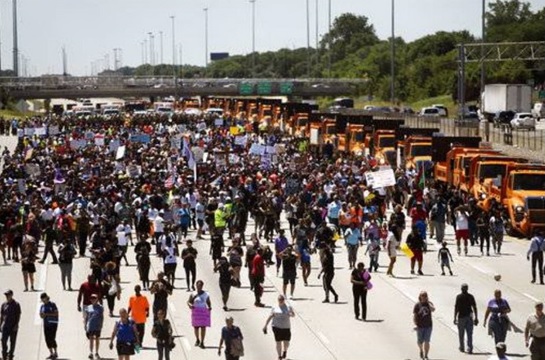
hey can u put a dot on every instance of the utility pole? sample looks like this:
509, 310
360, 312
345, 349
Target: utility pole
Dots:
64, 62
161, 44
329, 40
392, 60
253, 40
181, 60
172, 19
205, 39
15, 41
483, 40
309, 61
151, 49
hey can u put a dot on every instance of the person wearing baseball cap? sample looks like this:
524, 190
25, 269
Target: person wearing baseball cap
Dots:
465, 316
10, 314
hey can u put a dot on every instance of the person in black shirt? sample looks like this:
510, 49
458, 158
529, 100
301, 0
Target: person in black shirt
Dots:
226, 275
142, 250
50, 237
161, 289
465, 316
10, 314
423, 321
289, 269
444, 257
416, 244
360, 284
328, 271
189, 255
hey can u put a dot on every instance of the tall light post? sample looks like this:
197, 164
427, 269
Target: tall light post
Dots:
309, 61
173, 18
483, 39
392, 60
145, 51
151, 49
329, 39
161, 45
205, 39
317, 23
15, 41
253, 39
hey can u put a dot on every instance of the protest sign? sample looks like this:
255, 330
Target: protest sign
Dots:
382, 178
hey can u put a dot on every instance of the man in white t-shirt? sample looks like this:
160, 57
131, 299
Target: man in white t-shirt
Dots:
122, 242
462, 228
159, 229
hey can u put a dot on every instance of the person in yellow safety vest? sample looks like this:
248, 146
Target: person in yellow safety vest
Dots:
220, 219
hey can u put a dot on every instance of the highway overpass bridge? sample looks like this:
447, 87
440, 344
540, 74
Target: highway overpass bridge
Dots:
51, 87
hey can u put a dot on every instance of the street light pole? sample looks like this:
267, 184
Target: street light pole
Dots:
253, 39
205, 39
392, 60
161, 45
309, 61
483, 36
15, 41
329, 40
172, 18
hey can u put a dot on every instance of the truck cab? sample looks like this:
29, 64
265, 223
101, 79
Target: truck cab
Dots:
417, 152
384, 142
523, 198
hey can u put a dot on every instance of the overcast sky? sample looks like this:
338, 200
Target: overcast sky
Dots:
90, 29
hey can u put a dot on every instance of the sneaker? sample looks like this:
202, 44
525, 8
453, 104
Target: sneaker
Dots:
412, 272
443, 274
336, 298
225, 308
284, 355
420, 272
197, 343
325, 301
90, 356
97, 356
202, 345
451, 274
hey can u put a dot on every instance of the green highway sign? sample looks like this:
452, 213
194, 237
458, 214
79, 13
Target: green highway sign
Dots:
246, 89
264, 88
286, 88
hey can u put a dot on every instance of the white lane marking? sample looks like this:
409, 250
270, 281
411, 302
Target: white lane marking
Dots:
171, 306
41, 286
409, 296
323, 337
530, 297
479, 269
186, 344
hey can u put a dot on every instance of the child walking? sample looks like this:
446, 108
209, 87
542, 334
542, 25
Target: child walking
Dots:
444, 257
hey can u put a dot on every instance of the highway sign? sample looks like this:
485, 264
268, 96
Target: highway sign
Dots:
264, 88
246, 89
286, 88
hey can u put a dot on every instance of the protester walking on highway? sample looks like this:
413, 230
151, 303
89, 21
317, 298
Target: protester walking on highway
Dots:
438, 214
93, 321
201, 307
281, 326
225, 278
161, 289
289, 270
534, 333
86, 290
139, 311
391, 247
422, 319
143, 262
258, 276
189, 257
535, 252
465, 317
497, 309
28, 264
461, 217
66, 258
110, 284
232, 337
497, 229
280, 244
170, 260
50, 315
361, 283
126, 335
10, 315
445, 258
162, 332
352, 239
50, 237
416, 243
328, 271
483, 228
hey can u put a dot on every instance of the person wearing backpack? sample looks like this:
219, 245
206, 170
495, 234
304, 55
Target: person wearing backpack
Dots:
232, 337
126, 333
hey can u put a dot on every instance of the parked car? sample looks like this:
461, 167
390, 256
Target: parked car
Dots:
524, 121
431, 112
539, 110
503, 118
443, 111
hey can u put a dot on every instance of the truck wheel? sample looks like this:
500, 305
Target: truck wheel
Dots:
509, 230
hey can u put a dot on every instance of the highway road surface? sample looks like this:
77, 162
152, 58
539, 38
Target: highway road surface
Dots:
319, 331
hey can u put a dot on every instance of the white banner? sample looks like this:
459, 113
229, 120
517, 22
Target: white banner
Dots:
382, 178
